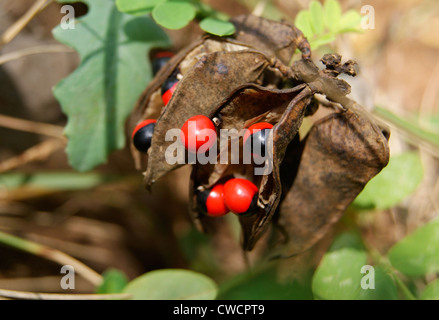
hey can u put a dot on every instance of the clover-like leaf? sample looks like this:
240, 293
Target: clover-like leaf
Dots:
418, 253
303, 23
316, 17
339, 273
350, 22
114, 282
137, 7
174, 14
99, 95
332, 12
217, 27
431, 291
397, 181
172, 284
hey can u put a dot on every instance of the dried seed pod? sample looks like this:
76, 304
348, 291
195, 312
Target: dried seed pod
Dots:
341, 153
235, 81
274, 38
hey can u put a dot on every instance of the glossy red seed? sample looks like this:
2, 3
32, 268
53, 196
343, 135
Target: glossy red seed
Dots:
255, 128
238, 195
168, 94
142, 124
215, 202
142, 135
198, 131
164, 54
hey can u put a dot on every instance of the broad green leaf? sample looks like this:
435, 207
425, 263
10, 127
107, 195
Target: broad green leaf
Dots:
418, 253
99, 95
172, 284
114, 282
217, 27
137, 7
393, 184
317, 18
338, 276
174, 14
265, 285
303, 23
431, 291
332, 12
384, 286
350, 22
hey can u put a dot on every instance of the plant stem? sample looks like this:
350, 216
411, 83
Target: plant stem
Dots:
51, 254
34, 50
21, 23
32, 126
56, 296
413, 133
34, 153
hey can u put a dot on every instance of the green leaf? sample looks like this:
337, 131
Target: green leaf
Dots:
114, 282
431, 291
217, 27
338, 276
332, 12
350, 22
384, 287
265, 285
99, 95
321, 41
316, 17
172, 284
174, 14
303, 23
137, 7
418, 253
393, 184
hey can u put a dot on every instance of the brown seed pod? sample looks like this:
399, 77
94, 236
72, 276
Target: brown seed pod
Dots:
341, 153
238, 81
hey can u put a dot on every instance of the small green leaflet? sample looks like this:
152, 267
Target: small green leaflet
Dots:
393, 184
100, 94
344, 274
217, 27
418, 253
321, 24
174, 14
172, 284
177, 14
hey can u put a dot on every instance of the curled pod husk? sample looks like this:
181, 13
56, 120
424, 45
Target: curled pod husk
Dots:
285, 109
340, 154
150, 104
272, 40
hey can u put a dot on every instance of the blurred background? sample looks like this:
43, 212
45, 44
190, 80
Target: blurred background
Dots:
106, 219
